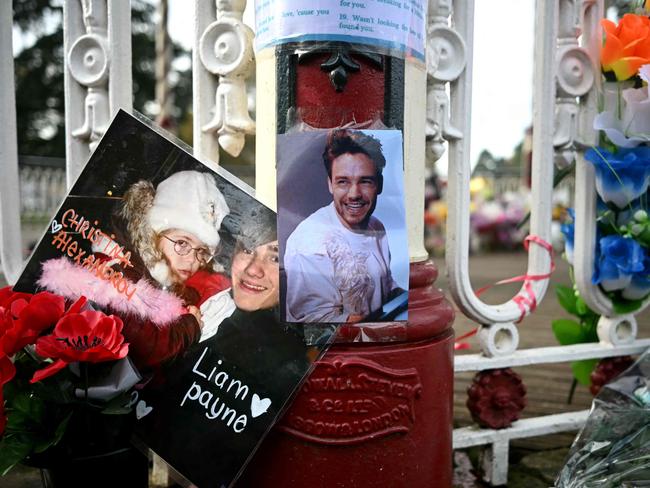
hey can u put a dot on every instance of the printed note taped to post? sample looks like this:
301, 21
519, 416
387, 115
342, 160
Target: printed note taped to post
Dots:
396, 25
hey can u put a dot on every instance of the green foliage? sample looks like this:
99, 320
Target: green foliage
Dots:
569, 332
582, 370
622, 306
567, 298
13, 449
37, 414
118, 405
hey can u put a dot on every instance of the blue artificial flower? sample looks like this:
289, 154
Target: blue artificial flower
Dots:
568, 230
639, 286
623, 176
619, 259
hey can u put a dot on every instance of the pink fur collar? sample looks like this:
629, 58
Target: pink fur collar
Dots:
148, 302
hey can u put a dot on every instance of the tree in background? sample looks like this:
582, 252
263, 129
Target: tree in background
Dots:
39, 74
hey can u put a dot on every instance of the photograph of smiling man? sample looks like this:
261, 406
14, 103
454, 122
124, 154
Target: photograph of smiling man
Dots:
343, 232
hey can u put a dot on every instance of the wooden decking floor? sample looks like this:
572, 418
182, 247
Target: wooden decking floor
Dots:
548, 385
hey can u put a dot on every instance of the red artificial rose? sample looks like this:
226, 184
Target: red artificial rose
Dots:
8, 296
7, 372
27, 318
88, 336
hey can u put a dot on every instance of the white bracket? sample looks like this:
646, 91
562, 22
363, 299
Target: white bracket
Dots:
97, 78
223, 59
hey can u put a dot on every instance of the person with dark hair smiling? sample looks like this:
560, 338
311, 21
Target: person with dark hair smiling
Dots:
337, 260
265, 357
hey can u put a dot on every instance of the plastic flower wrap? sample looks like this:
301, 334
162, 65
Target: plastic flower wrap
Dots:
627, 124
613, 447
627, 45
622, 176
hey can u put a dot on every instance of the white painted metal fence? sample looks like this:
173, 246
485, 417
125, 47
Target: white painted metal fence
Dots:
42, 188
98, 81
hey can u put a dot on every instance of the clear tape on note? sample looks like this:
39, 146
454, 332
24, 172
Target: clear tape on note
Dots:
397, 26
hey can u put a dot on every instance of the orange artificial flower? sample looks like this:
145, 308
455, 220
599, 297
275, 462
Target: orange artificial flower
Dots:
627, 45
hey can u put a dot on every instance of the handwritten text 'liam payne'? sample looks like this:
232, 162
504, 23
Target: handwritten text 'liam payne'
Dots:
214, 406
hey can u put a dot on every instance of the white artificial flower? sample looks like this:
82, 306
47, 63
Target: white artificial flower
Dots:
633, 128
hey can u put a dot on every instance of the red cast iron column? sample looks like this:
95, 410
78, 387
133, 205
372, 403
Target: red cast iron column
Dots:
377, 409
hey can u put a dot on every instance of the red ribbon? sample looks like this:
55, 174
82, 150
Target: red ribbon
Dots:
525, 299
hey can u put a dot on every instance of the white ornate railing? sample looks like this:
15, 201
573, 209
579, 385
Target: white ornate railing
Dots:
10, 235
97, 46
498, 334
223, 59
97, 78
42, 188
566, 84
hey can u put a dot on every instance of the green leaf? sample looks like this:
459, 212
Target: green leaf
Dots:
26, 412
590, 328
582, 370
116, 410
567, 298
13, 449
581, 307
567, 332
60, 429
622, 306
44, 444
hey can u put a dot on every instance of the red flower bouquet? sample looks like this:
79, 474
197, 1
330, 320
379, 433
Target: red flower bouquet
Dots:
50, 357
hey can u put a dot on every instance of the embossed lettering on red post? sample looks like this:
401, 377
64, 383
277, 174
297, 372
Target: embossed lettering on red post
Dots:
346, 401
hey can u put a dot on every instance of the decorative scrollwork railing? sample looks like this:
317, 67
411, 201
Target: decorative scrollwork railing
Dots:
498, 334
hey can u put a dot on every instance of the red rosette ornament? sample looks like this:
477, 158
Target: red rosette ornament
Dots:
606, 370
496, 398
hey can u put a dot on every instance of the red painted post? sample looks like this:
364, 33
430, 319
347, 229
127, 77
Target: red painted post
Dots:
372, 414
377, 409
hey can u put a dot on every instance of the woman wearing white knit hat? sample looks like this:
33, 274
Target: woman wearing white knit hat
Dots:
174, 231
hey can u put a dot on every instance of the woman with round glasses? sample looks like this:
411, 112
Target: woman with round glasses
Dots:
175, 230
251, 347
172, 233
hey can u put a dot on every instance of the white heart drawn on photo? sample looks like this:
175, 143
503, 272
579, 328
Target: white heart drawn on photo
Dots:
56, 227
259, 406
142, 409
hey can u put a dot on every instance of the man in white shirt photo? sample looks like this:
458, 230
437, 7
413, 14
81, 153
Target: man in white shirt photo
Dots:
337, 260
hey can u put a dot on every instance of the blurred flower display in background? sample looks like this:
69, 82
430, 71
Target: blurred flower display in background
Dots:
495, 219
